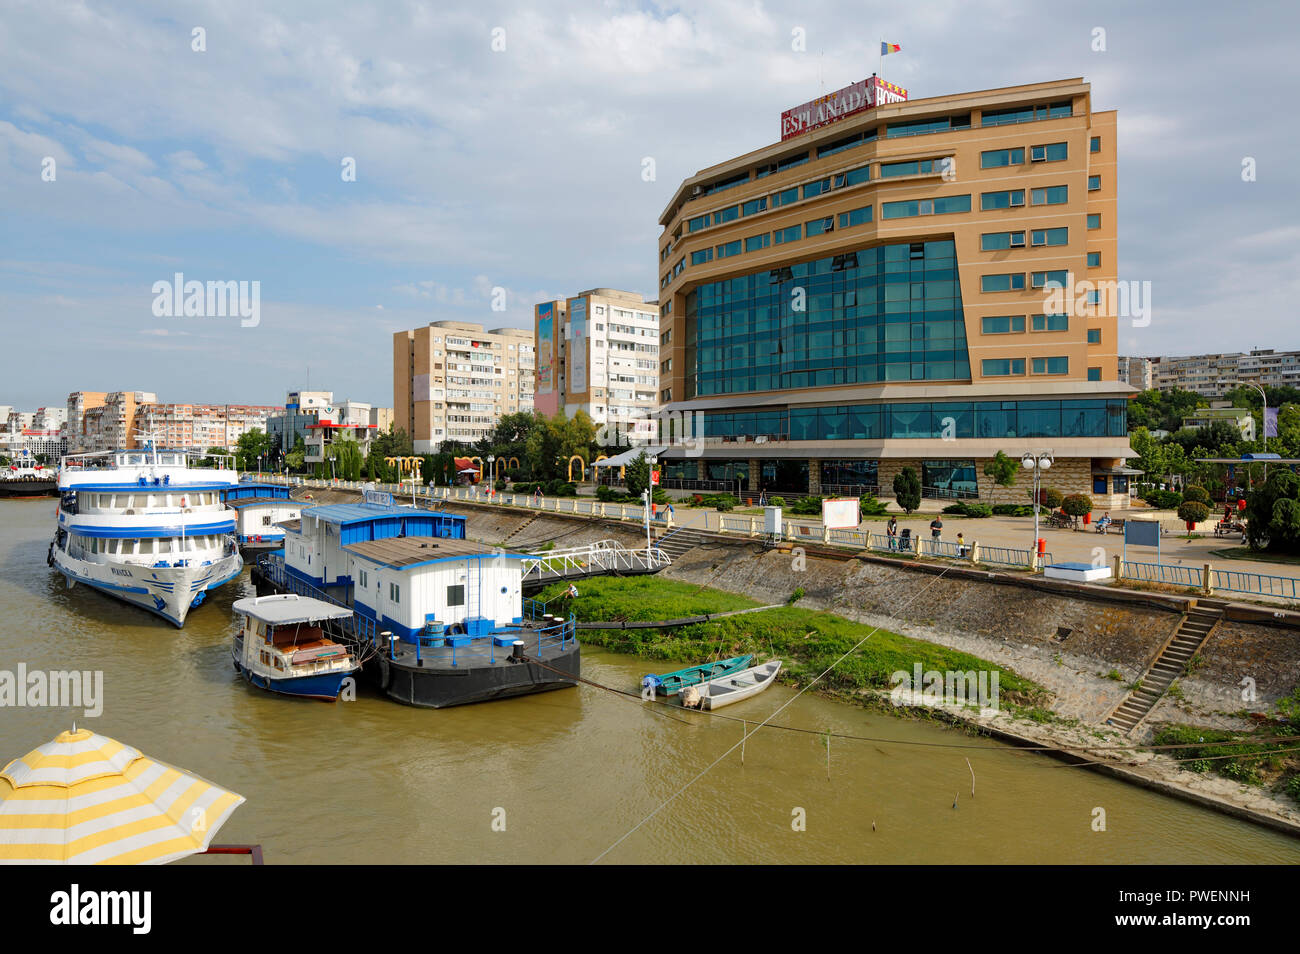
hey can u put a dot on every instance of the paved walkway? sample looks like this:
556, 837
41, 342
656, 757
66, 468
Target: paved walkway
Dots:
1065, 546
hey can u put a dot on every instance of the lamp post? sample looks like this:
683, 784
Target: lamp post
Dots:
1263, 417
1036, 462
645, 497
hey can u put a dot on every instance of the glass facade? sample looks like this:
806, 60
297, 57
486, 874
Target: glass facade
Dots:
889, 313
1093, 417
950, 477
856, 473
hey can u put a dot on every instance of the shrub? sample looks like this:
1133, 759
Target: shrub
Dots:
560, 488
1293, 787
869, 506
777, 502
807, 506
1076, 505
977, 510
955, 508
1050, 497
796, 596
1198, 494
499, 486
1013, 510
1163, 499
724, 502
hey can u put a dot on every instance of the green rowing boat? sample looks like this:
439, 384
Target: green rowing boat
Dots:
674, 682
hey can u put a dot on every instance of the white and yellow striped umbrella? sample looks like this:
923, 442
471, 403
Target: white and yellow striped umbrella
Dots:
87, 799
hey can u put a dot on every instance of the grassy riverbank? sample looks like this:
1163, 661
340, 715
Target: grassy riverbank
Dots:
807, 640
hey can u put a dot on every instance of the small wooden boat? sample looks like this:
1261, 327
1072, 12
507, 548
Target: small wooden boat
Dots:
717, 693
282, 647
674, 682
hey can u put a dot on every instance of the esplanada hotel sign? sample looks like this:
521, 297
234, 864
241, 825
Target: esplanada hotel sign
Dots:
862, 95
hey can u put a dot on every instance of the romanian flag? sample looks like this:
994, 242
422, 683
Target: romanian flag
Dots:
888, 48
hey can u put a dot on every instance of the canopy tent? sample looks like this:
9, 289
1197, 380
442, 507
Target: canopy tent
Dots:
651, 451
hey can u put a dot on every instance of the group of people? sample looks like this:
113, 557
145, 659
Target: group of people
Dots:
936, 534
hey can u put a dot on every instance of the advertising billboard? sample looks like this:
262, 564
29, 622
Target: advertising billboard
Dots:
545, 348
578, 345
840, 513
852, 99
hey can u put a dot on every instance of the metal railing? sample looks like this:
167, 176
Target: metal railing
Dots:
1169, 573
1262, 584
603, 556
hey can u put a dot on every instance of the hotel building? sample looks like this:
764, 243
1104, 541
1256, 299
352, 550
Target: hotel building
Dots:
453, 380
598, 352
885, 291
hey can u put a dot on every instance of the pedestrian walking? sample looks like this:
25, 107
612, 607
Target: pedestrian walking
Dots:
891, 531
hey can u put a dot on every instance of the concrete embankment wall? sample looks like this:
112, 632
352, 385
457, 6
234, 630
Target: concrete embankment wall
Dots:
1066, 637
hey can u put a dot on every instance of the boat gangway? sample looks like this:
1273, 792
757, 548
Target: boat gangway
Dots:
592, 559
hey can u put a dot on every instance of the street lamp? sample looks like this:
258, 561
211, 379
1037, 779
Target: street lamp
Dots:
1036, 462
1263, 418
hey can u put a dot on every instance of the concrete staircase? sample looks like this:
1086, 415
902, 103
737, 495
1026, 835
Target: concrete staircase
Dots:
519, 529
678, 541
1168, 666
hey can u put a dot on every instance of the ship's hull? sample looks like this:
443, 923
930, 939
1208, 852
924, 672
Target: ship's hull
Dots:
29, 488
169, 592
323, 686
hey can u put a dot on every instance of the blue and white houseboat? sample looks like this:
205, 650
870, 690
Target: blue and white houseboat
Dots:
259, 510
282, 647
146, 527
445, 617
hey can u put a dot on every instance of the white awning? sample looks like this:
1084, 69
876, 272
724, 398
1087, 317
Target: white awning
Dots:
651, 451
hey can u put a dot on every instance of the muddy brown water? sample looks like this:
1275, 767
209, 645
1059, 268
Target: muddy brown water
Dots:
572, 775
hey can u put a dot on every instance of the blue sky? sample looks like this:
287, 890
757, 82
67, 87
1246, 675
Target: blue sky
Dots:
521, 168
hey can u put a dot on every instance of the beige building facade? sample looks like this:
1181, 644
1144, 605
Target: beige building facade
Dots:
453, 380
929, 281
598, 352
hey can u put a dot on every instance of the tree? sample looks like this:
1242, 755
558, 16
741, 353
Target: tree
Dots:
348, 459
395, 443
1273, 514
1002, 469
907, 490
637, 474
1198, 494
252, 444
295, 458
1076, 505
1192, 512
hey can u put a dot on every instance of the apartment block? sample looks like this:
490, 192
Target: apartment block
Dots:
922, 284
598, 352
199, 427
453, 380
1214, 375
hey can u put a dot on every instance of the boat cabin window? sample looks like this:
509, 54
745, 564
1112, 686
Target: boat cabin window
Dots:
456, 595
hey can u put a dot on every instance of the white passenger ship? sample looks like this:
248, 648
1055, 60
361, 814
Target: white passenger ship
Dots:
146, 527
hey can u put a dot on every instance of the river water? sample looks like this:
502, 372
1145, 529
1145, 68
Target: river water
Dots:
572, 775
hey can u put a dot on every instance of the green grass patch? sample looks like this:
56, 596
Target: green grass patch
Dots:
808, 640
1253, 762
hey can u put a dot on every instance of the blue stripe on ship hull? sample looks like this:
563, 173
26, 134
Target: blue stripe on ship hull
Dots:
117, 591
324, 686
